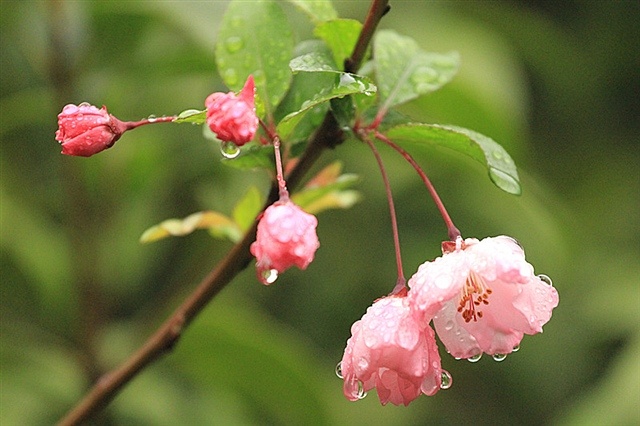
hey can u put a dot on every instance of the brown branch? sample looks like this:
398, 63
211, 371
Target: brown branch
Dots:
163, 340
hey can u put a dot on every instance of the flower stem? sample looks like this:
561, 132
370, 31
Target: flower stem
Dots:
392, 211
133, 124
282, 185
451, 228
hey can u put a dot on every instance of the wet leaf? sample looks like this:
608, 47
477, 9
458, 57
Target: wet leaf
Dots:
218, 223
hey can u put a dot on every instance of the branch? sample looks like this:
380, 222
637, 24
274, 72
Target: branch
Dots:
164, 339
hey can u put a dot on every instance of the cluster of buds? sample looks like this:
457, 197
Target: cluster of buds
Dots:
482, 297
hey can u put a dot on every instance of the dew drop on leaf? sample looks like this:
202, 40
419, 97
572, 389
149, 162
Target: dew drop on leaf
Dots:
234, 44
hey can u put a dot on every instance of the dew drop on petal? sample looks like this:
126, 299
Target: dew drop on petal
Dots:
545, 279
446, 380
516, 348
499, 357
449, 325
475, 358
229, 149
339, 370
269, 276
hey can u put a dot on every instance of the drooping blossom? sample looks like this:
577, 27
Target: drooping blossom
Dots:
391, 351
233, 117
286, 237
84, 130
483, 296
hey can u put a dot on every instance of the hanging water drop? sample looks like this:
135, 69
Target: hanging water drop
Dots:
499, 357
445, 380
361, 392
515, 348
475, 358
269, 276
230, 150
545, 279
339, 370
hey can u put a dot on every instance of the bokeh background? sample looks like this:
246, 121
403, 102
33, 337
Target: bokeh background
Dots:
555, 82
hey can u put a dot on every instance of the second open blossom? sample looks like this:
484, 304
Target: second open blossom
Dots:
482, 296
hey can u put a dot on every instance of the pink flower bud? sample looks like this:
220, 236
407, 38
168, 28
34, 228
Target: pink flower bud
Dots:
482, 296
233, 118
84, 130
286, 236
391, 351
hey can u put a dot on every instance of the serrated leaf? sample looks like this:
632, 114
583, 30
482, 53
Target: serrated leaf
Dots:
500, 165
318, 10
404, 71
318, 61
201, 220
344, 84
255, 38
341, 36
193, 116
246, 210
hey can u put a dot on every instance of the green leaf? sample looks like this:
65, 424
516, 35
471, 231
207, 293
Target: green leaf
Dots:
318, 10
253, 157
341, 36
502, 169
318, 61
404, 71
219, 225
255, 39
193, 116
246, 210
328, 190
344, 84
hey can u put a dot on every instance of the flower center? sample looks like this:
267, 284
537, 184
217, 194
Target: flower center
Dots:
474, 294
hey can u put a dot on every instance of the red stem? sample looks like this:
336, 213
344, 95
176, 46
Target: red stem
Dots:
392, 211
451, 228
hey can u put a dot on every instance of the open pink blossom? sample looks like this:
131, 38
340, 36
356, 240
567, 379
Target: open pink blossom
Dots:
390, 351
483, 297
233, 118
286, 237
84, 130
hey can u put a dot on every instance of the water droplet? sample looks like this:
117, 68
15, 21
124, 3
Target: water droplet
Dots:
545, 279
269, 276
505, 181
499, 357
230, 77
363, 364
475, 358
259, 77
84, 104
515, 348
234, 44
449, 325
339, 370
229, 149
361, 392
152, 118
446, 380
498, 155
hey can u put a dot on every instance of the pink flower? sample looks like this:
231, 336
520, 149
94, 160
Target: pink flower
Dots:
286, 236
84, 130
390, 351
483, 297
233, 118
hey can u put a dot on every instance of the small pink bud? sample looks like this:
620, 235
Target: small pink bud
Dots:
233, 118
84, 130
286, 236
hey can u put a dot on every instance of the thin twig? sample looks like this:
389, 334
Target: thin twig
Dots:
163, 340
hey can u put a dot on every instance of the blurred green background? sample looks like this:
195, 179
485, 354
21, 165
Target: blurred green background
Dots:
555, 82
